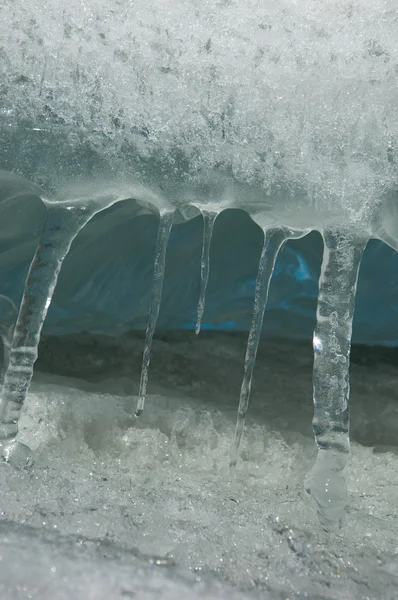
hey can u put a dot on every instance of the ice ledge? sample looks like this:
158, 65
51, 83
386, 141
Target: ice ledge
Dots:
280, 207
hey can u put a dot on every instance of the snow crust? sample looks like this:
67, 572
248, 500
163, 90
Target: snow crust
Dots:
288, 109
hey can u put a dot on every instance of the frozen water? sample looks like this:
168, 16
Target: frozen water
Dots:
287, 111
332, 342
208, 224
273, 240
8, 312
65, 219
165, 224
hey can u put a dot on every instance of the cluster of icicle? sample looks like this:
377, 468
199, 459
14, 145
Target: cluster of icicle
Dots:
343, 249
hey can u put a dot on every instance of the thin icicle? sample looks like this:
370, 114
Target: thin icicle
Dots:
8, 318
62, 226
332, 343
209, 218
165, 224
273, 240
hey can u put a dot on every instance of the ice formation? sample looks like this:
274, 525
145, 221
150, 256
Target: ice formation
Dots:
287, 110
208, 224
273, 239
166, 221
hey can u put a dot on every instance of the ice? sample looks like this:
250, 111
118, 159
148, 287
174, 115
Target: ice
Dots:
8, 312
165, 224
332, 343
273, 240
287, 111
65, 220
208, 224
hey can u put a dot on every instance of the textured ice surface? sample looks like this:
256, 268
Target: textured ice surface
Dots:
43, 565
287, 111
109, 493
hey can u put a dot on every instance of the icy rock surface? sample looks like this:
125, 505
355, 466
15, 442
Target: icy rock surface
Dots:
147, 505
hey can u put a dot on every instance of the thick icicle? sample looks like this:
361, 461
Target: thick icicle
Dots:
208, 223
165, 224
273, 240
325, 483
62, 225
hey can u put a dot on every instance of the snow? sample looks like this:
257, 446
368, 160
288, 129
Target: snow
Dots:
109, 492
288, 107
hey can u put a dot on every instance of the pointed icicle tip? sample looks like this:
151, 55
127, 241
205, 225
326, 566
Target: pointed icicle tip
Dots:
165, 225
273, 240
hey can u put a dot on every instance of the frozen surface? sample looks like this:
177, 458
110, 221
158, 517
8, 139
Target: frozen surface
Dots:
109, 493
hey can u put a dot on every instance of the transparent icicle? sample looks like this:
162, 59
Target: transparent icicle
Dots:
208, 223
165, 224
325, 483
62, 225
8, 318
273, 240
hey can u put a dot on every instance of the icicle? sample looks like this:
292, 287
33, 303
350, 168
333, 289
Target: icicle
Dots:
208, 223
332, 341
62, 225
165, 224
273, 240
8, 314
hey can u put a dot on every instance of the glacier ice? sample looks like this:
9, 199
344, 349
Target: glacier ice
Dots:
287, 111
